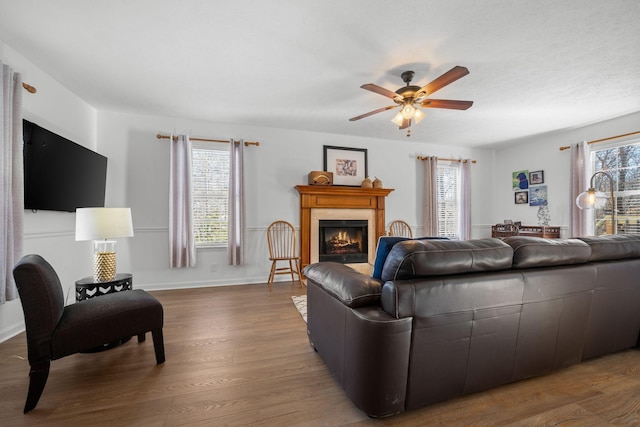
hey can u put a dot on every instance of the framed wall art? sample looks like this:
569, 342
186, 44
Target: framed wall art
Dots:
349, 165
536, 178
520, 180
538, 195
521, 197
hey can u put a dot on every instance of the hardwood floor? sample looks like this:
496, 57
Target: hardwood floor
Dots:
239, 356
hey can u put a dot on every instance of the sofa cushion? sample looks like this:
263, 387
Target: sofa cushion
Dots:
620, 246
529, 252
421, 258
351, 287
385, 243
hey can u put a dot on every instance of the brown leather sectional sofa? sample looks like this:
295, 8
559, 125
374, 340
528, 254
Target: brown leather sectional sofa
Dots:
448, 318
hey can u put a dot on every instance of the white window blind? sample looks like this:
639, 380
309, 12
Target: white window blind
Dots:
210, 174
622, 163
449, 201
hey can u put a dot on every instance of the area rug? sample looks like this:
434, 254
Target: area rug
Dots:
300, 301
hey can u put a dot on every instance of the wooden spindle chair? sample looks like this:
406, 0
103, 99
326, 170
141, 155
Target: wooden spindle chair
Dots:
400, 228
281, 237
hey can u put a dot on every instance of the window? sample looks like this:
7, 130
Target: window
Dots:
622, 163
449, 200
210, 174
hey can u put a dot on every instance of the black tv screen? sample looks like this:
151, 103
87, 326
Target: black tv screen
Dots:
60, 175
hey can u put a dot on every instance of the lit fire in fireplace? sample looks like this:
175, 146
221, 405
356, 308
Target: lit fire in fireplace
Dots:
343, 243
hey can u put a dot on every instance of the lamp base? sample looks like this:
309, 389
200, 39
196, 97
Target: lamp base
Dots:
104, 257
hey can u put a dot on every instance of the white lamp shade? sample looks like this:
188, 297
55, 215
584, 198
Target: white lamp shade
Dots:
586, 200
103, 223
593, 200
602, 199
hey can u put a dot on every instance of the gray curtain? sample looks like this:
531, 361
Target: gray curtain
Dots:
430, 198
465, 199
11, 181
181, 235
579, 171
236, 203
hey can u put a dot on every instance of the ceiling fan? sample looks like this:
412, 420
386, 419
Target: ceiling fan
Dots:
408, 98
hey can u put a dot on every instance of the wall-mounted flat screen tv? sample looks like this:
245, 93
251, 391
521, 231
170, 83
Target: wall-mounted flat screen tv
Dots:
60, 175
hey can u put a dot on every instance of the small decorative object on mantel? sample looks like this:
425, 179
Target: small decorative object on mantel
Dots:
320, 178
366, 183
377, 183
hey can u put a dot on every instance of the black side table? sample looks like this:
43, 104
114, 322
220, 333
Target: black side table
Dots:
88, 288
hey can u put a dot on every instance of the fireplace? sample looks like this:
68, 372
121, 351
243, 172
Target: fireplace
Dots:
340, 203
344, 241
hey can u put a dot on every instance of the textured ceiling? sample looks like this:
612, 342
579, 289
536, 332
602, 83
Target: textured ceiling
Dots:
535, 66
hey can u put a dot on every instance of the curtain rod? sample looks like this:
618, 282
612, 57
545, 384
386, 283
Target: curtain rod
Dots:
448, 160
566, 147
29, 88
246, 143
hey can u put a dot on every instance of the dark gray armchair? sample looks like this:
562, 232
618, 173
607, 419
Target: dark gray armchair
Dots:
55, 331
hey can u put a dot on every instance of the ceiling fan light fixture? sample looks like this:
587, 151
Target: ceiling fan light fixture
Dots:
419, 116
398, 119
408, 111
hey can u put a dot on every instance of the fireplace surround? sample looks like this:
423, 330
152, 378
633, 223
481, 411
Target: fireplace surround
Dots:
340, 203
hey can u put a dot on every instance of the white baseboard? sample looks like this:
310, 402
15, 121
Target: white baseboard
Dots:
11, 331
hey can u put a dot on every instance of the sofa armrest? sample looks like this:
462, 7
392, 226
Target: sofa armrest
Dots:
351, 287
366, 350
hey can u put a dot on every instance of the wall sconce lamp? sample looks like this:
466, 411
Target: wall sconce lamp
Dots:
588, 199
101, 225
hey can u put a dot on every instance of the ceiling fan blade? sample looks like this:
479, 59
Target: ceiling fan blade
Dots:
405, 124
371, 113
381, 91
449, 77
446, 103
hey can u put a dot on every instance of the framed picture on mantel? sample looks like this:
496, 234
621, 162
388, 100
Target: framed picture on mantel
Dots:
349, 165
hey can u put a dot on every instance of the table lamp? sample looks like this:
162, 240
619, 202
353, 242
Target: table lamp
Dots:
101, 225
